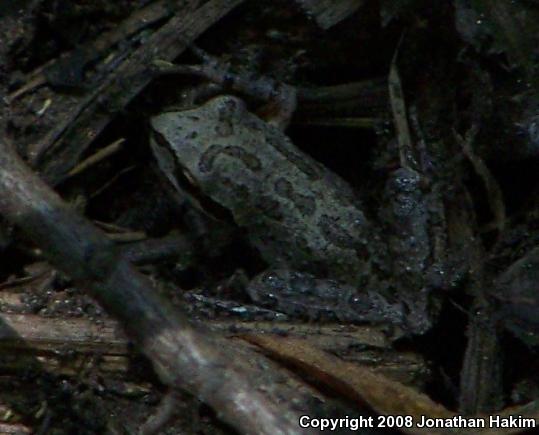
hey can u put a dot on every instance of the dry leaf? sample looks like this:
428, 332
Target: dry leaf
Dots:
379, 393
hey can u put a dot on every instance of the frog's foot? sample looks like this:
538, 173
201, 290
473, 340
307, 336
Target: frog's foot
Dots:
280, 97
200, 306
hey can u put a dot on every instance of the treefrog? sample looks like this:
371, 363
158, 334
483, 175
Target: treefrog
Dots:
298, 214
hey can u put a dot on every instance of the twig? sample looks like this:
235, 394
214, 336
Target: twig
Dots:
74, 135
481, 374
494, 191
182, 355
136, 22
167, 410
480, 377
346, 91
327, 13
348, 122
155, 250
398, 106
94, 159
111, 182
14, 429
370, 95
46, 337
277, 93
133, 236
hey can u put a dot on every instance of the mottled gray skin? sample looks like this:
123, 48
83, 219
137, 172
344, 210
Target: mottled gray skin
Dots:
407, 215
296, 212
408, 221
305, 296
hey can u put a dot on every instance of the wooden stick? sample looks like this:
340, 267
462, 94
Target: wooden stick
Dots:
182, 353
60, 151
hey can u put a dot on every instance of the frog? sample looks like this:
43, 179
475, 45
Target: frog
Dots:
295, 212
306, 222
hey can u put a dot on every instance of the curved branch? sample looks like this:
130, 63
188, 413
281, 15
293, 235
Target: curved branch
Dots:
183, 355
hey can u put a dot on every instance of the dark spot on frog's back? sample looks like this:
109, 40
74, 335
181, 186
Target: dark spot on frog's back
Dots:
302, 162
207, 159
269, 207
224, 129
306, 204
283, 188
248, 159
240, 192
336, 233
227, 107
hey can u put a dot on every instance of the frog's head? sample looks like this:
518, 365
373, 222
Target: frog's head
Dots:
188, 134
227, 107
182, 143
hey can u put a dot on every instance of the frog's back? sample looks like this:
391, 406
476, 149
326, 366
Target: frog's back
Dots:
296, 212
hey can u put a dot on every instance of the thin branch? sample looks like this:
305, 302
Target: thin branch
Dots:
183, 356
